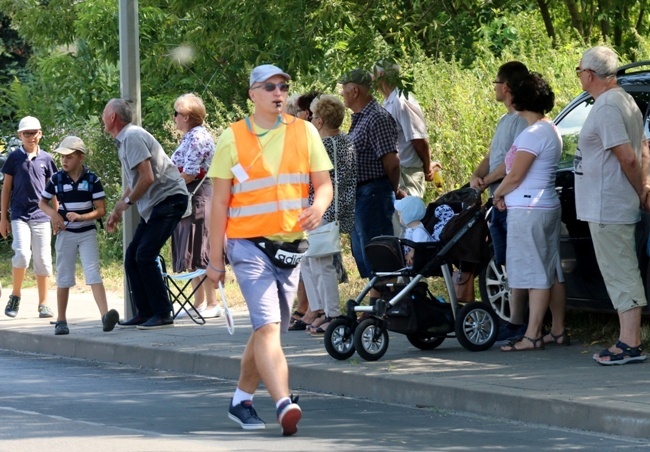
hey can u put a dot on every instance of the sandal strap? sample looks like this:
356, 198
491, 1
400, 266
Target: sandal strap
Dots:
535, 342
630, 351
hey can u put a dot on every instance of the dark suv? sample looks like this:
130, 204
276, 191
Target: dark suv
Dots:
584, 283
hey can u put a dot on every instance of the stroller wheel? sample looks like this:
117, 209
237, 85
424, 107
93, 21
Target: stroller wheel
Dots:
339, 339
371, 339
477, 326
425, 342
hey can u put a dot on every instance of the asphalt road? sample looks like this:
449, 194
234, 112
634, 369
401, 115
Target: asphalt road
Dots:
54, 404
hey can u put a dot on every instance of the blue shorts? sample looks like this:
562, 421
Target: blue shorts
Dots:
269, 291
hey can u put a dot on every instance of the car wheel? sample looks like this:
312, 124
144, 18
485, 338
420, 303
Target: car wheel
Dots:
425, 342
477, 327
339, 337
494, 288
371, 339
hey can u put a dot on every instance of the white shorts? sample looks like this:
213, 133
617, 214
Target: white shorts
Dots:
68, 245
28, 238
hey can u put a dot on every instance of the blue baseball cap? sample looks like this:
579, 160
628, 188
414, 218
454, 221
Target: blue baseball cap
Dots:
264, 72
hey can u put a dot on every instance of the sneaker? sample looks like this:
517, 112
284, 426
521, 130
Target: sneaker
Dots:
61, 328
12, 306
289, 414
506, 334
189, 312
44, 312
110, 319
213, 312
245, 415
157, 322
133, 322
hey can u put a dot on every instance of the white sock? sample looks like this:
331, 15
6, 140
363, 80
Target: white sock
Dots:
241, 396
281, 401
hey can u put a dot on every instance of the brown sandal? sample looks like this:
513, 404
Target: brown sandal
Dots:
561, 339
538, 344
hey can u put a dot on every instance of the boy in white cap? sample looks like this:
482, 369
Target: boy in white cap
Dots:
81, 201
26, 171
411, 211
261, 171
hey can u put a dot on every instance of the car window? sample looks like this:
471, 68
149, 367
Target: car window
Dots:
572, 121
569, 127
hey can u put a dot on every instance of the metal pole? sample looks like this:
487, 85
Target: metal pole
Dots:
130, 90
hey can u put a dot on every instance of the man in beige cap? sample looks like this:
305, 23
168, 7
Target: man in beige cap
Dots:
81, 201
26, 171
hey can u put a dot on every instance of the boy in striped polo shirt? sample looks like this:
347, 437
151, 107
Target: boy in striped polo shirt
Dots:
81, 201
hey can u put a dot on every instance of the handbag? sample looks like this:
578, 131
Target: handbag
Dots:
325, 240
188, 210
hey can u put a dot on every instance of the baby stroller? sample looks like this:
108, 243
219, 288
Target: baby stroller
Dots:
406, 305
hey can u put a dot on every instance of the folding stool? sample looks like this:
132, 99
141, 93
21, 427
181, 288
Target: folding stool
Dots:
177, 284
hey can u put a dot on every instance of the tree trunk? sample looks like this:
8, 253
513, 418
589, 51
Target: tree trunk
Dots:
639, 21
576, 20
603, 7
546, 16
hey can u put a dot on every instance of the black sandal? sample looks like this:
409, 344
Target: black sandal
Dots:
561, 339
319, 331
296, 315
538, 344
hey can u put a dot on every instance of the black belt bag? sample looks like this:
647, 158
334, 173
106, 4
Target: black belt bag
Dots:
282, 254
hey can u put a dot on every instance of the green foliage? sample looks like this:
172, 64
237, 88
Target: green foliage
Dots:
449, 53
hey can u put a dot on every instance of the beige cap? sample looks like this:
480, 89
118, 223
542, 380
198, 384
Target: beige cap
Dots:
71, 144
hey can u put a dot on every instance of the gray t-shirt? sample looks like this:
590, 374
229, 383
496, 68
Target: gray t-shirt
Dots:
603, 193
136, 145
508, 128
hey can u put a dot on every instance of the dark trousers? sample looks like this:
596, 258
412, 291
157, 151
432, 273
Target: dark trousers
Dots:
148, 290
373, 216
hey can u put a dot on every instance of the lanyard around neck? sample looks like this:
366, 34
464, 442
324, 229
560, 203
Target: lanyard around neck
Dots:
250, 129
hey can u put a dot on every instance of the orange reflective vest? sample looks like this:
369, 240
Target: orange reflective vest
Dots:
264, 205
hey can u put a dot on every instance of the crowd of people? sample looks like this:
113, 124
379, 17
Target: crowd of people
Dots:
289, 168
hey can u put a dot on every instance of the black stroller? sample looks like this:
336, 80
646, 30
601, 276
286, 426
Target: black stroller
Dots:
406, 305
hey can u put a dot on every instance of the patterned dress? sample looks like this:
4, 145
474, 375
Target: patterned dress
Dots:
190, 244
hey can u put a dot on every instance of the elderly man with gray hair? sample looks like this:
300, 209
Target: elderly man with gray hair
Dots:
155, 186
611, 185
413, 149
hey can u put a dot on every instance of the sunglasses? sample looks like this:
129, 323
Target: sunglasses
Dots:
176, 113
580, 71
270, 87
30, 134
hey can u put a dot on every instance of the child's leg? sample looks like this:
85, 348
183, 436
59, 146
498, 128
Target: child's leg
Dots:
99, 293
62, 294
43, 283
89, 256
42, 252
17, 278
21, 244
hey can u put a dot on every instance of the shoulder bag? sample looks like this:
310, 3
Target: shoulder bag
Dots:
325, 240
188, 210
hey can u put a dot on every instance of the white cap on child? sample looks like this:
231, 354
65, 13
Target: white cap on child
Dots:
411, 208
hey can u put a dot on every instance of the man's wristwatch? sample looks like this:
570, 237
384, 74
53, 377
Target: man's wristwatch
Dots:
128, 201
